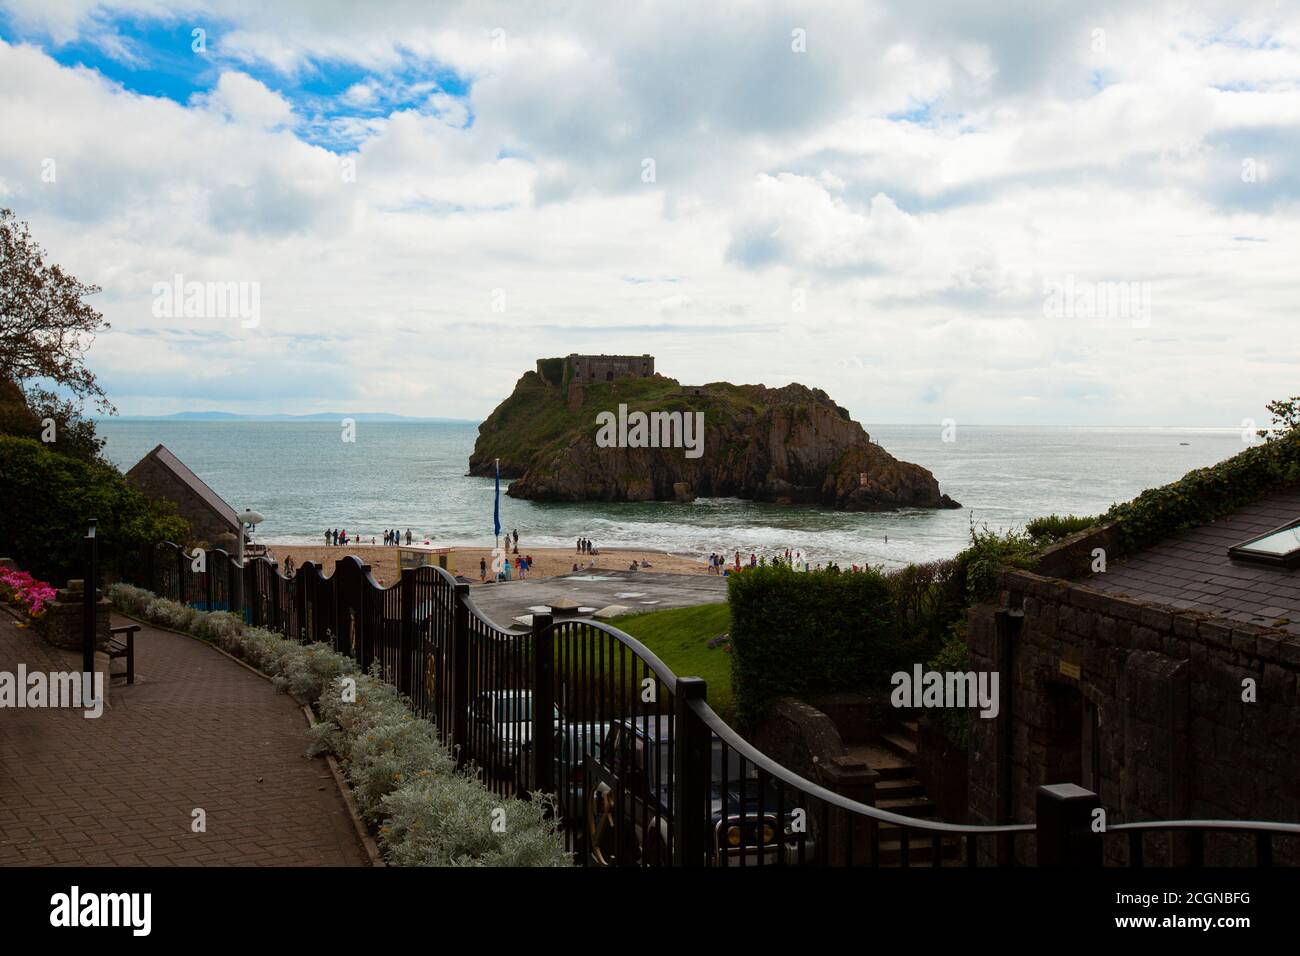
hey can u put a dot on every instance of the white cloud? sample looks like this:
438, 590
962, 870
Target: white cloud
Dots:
242, 99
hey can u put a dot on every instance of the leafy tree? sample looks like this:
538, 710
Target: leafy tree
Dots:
45, 330
1286, 417
48, 499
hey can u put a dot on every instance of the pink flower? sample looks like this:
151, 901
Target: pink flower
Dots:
23, 589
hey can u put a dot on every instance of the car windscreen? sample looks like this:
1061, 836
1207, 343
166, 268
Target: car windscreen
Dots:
732, 766
514, 710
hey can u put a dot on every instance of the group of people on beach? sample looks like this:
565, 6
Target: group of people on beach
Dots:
338, 537
519, 567
794, 560
586, 546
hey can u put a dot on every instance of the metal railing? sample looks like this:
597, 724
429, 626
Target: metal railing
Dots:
643, 771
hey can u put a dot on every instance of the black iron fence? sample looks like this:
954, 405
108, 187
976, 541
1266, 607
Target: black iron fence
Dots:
643, 771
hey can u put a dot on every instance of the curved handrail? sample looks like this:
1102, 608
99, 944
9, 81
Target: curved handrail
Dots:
1256, 826
648, 656
763, 761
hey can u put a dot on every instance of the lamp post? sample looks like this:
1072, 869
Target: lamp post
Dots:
250, 519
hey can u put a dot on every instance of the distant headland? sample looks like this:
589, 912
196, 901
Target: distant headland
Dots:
281, 417
610, 428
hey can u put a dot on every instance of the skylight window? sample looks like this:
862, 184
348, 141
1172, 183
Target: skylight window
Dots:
1280, 547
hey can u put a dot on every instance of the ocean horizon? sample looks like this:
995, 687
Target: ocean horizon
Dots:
411, 474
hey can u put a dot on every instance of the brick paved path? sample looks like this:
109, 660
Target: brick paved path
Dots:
196, 730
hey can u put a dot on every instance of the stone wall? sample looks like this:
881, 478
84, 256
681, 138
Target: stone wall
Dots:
64, 621
1140, 703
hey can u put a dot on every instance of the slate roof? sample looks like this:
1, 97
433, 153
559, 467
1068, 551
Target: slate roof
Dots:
1193, 570
195, 484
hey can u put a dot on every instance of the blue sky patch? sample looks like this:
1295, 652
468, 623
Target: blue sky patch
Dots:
331, 99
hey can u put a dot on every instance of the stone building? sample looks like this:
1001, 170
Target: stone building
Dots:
1168, 684
586, 369
161, 475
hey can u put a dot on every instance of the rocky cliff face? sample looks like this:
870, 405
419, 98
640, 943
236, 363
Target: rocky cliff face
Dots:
790, 445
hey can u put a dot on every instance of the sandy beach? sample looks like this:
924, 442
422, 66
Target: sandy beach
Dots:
383, 561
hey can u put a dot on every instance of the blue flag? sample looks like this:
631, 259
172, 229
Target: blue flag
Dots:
496, 505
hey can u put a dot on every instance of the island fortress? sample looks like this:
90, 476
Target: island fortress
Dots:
584, 369
787, 445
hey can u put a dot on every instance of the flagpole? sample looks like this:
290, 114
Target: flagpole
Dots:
496, 516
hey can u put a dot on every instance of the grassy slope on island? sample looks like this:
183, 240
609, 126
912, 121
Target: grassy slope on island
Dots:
680, 637
535, 422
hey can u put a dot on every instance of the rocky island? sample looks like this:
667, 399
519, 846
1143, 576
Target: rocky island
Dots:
570, 431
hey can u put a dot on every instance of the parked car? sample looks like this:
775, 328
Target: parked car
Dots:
634, 828
573, 743
501, 724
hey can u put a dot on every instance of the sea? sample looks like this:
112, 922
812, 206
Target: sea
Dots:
303, 478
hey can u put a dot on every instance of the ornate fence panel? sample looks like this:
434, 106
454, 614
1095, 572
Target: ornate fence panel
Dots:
499, 704
643, 771
167, 571
217, 580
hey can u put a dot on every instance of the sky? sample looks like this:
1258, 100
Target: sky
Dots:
992, 213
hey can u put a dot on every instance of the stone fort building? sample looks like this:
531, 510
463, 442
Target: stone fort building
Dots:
586, 369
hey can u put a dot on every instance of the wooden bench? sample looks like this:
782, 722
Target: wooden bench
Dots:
122, 644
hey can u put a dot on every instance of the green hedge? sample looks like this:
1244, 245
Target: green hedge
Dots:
1053, 528
805, 634
1207, 493
47, 500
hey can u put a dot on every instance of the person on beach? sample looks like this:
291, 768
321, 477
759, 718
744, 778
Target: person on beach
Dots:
327, 537
482, 570
408, 535
577, 546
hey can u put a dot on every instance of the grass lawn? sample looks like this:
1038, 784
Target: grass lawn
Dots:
680, 637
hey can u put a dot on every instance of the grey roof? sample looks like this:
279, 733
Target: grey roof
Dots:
1193, 570
196, 484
